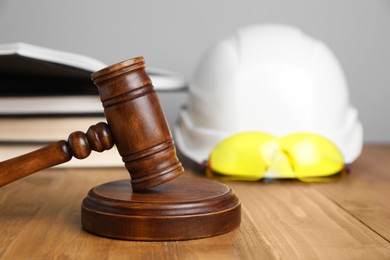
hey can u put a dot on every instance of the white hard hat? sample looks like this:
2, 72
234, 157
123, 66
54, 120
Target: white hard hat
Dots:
269, 78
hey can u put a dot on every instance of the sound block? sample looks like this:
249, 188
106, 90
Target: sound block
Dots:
184, 208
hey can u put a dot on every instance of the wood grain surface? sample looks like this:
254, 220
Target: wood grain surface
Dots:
348, 219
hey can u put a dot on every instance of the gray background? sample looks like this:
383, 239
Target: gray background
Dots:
173, 34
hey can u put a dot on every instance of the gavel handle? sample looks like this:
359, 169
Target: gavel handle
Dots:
24, 165
79, 145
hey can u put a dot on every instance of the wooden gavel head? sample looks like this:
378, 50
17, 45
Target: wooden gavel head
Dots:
137, 123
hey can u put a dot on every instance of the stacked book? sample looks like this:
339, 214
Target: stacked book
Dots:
46, 94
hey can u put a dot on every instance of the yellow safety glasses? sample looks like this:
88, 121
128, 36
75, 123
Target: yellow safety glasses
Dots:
255, 155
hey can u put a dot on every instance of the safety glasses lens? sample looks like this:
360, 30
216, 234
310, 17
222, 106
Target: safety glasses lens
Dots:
255, 155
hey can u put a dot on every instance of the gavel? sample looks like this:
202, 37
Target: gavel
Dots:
135, 124
181, 209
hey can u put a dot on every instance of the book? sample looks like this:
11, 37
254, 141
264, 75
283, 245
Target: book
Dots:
18, 60
39, 80
109, 158
43, 129
50, 105
21, 135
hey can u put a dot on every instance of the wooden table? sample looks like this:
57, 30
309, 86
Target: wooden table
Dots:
348, 219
